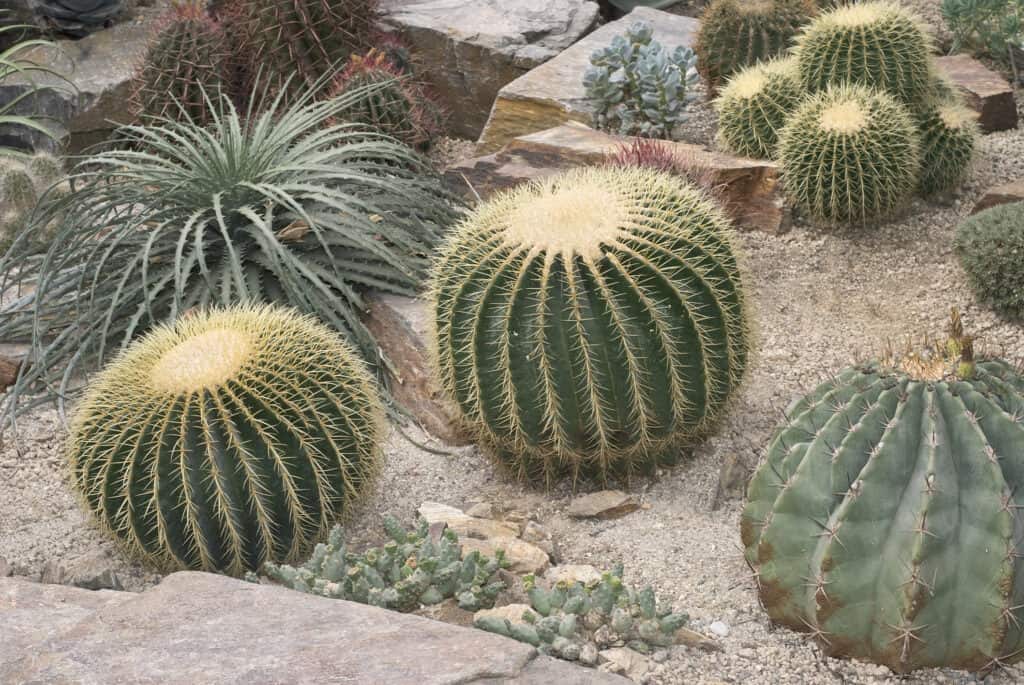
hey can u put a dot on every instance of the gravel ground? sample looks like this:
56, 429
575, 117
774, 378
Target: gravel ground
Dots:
822, 298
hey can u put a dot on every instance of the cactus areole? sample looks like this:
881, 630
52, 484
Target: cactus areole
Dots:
887, 517
586, 323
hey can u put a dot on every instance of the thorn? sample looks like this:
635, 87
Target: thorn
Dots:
815, 633
922, 527
906, 634
929, 484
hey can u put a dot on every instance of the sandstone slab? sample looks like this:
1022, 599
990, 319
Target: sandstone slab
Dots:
749, 188
469, 49
523, 557
987, 93
204, 628
606, 504
1000, 195
553, 92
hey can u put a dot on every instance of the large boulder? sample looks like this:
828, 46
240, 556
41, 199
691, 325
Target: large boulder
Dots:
986, 92
553, 92
749, 188
204, 628
469, 49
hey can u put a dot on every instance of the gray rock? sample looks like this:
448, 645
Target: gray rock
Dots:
204, 628
986, 92
606, 504
92, 571
624, 660
719, 628
1000, 195
469, 49
5, 568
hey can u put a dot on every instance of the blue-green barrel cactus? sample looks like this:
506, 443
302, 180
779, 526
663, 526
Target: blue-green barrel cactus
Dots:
888, 516
589, 322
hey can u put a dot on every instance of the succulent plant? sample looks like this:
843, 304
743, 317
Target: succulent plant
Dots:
886, 517
568, 616
735, 34
753, 106
990, 245
299, 43
667, 157
949, 133
875, 44
638, 87
413, 568
182, 75
23, 181
399, 108
588, 322
849, 154
226, 439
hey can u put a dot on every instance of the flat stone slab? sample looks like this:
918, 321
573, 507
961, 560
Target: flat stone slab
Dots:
606, 504
1000, 195
553, 92
987, 93
748, 187
469, 49
210, 629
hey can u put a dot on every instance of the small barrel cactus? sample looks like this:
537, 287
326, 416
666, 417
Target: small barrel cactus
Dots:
753, 107
849, 154
230, 438
23, 181
875, 44
400, 109
182, 73
886, 516
739, 33
949, 133
990, 245
588, 322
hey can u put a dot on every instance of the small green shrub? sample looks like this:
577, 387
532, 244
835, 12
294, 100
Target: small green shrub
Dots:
410, 570
229, 438
849, 154
994, 28
949, 134
876, 44
990, 245
588, 323
638, 87
740, 33
753, 106
885, 519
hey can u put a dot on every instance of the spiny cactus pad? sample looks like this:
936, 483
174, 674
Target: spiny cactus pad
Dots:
876, 44
886, 516
949, 134
588, 322
230, 438
849, 154
753, 107
739, 33
411, 569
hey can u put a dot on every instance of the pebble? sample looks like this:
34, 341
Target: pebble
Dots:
720, 629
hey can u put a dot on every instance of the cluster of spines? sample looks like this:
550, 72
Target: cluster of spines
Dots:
227, 475
753, 106
595, 362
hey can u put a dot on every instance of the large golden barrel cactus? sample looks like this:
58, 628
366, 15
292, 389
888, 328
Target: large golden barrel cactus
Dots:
231, 438
589, 322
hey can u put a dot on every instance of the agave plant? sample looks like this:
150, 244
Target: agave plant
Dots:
283, 207
15, 64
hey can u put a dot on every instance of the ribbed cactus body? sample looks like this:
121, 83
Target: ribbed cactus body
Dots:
849, 154
587, 323
183, 73
875, 44
887, 516
948, 136
305, 40
738, 33
228, 439
753, 106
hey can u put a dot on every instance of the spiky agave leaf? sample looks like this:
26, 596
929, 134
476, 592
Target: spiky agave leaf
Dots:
588, 323
227, 439
16, 62
283, 208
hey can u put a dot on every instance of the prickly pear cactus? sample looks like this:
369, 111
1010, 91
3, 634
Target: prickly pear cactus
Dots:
587, 323
568, 617
753, 106
183, 72
886, 517
739, 33
400, 109
876, 44
949, 133
411, 570
230, 438
849, 154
